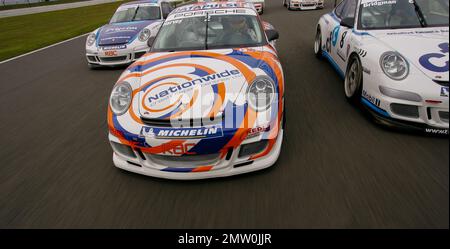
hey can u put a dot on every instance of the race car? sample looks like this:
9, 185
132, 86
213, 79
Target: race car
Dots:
124, 39
303, 4
206, 101
394, 59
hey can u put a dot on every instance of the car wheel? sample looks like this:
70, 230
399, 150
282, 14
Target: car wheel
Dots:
289, 5
318, 44
353, 80
284, 3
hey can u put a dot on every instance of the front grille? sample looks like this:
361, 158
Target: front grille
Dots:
183, 123
184, 161
113, 59
443, 116
92, 58
122, 149
410, 111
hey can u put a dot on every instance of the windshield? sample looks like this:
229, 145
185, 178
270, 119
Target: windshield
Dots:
224, 31
391, 14
136, 13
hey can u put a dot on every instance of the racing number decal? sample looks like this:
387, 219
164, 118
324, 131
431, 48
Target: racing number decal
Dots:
340, 50
426, 62
341, 44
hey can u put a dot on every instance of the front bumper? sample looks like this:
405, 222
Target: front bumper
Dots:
226, 166
306, 5
98, 56
407, 105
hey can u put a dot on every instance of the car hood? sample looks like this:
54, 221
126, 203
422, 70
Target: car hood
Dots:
120, 33
195, 84
425, 49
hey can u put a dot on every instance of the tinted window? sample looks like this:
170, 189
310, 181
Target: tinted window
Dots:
404, 14
349, 9
339, 8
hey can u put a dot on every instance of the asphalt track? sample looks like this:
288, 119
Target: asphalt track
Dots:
337, 169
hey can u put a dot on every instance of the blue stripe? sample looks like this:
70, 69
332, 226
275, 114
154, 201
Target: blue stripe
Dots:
360, 33
178, 170
374, 107
334, 64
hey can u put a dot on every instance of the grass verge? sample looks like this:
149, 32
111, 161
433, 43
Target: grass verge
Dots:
22, 34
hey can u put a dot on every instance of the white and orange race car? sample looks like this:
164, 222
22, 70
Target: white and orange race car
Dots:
206, 101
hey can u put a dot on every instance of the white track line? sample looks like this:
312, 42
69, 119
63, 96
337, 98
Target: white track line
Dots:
37, 50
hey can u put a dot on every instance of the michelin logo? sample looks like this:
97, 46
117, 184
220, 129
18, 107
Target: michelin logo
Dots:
182, 133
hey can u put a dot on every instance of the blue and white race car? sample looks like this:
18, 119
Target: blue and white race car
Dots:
124, 39
394, 58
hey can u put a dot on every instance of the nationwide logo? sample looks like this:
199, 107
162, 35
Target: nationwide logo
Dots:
190, 84
182, 133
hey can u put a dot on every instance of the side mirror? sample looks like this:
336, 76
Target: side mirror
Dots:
272, 35
348, 22
150, 41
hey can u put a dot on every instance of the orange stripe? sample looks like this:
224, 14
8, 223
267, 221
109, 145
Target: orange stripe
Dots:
202, 169
194, 98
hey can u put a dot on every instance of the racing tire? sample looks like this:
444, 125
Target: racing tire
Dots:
284, 3
289, 5
353, 80
318, 44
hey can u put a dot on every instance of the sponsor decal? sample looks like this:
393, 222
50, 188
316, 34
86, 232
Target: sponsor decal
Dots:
371, 98
111, 53
254, 132
204, 81
436, 131
444, 91
429, 61
378, 3
335, 35
104, 48
113, 30
210, 12
182, 133
182, 149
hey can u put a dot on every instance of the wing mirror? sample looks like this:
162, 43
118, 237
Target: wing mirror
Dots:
348, 22
272, 35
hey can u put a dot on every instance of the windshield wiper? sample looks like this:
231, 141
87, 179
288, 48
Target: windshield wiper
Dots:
206, 32
420, 15
135, 13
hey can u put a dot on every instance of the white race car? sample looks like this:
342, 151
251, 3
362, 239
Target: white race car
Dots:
124, 39
394, 59
303, 4
206, 101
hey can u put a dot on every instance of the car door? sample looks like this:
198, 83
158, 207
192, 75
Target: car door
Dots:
341, 35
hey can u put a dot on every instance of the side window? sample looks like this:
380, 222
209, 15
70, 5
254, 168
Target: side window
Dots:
350, 9
339, 8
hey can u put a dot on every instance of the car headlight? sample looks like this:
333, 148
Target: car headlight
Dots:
120, 99
91, 39
144, 35
394, 65
261, 93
